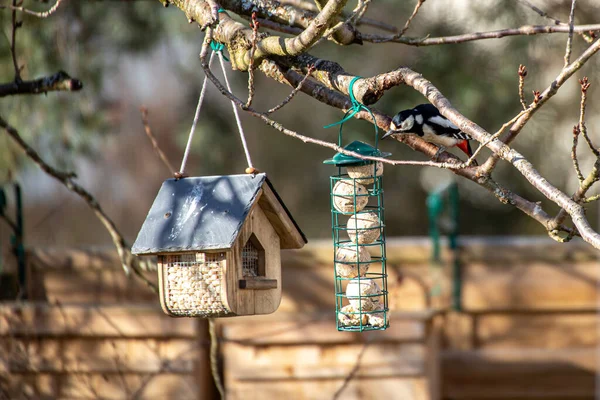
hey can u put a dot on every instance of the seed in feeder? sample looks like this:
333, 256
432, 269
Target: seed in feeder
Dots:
350, 255
363, 295
365, 172
367, 225
343, 196
377, 319
348, 318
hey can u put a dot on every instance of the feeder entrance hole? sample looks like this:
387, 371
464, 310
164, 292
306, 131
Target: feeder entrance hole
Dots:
253, 258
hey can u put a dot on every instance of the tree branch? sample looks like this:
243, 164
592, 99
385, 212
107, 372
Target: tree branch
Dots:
525, 30
276, 46
58, 82
550, 91
129, 262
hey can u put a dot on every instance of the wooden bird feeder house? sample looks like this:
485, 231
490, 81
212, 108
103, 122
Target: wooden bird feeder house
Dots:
218, 242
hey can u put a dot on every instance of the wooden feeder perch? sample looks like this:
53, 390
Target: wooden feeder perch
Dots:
218, 242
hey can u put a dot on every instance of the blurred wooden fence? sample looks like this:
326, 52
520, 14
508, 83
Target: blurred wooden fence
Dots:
527, 331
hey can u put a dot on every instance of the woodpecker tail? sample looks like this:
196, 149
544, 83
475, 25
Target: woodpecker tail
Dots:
465, 146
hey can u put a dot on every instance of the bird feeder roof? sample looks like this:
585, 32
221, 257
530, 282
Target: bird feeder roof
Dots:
207, 213
362, 148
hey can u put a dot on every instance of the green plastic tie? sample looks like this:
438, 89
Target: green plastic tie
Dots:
356, 107
218, 48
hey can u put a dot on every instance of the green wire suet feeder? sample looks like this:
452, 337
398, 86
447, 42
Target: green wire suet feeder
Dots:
357, 219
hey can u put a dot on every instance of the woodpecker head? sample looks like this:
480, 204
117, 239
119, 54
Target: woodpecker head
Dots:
403, 122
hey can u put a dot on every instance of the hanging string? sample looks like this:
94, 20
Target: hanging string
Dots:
193, 129
356, 107
237, 116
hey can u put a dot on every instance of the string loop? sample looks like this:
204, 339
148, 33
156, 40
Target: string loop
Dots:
356, 107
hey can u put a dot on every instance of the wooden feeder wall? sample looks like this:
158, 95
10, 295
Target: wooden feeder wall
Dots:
241, 278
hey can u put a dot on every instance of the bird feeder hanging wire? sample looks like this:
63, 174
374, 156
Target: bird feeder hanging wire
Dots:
376, 192
218, 49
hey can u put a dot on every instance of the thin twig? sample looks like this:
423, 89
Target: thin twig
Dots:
60, 81
214, 361
157, 149
546, 95
409, 20
570, 38
469, 37
254, 25
556, 21
352, 372
293, 93
585, 85
522, 74
592, 198
576, 132
13, 41
43, 14
129, 262
491, 139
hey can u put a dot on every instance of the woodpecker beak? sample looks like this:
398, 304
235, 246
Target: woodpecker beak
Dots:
389, 133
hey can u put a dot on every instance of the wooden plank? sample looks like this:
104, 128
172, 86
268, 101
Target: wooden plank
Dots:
520, 373
553, 331
404, 388
143, 321
100, 386
534, 285
276, 362
285, 329
106, 356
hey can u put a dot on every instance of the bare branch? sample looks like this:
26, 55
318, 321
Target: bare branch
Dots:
13, 41
155, 146
575, 210
276, 46
522, 74
409, 20
254, 25
43, 14
469, 37
293, 93
60, 81
585, 85
548, 93
544, 14
129, 262
579, 195
576, 132
570, 38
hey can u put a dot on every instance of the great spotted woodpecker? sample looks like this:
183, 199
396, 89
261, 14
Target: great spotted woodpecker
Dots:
426, 121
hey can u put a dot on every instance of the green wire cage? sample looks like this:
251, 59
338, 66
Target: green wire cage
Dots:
358, 232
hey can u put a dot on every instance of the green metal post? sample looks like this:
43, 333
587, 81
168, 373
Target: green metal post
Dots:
436, 206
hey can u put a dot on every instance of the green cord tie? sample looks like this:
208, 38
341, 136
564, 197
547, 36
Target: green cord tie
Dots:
218, 48
356, 107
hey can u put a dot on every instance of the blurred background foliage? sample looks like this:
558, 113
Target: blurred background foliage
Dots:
134, 53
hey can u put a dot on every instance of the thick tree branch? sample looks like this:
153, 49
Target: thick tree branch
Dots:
575, 210
276, 46
128, 260
335, 99
57, 82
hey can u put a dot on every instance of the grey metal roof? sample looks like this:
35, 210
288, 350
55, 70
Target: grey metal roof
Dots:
201, 213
